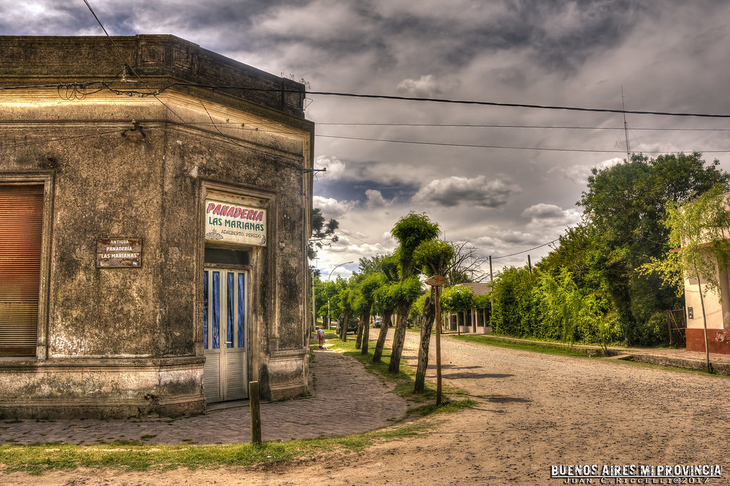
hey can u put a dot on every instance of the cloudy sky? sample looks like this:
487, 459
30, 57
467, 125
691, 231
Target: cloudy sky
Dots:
504, 179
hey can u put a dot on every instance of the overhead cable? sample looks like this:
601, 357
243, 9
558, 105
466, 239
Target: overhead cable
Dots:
164, 88
525, 251
505, 147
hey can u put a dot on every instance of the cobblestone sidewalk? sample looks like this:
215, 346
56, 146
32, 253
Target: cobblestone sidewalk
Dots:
347, 400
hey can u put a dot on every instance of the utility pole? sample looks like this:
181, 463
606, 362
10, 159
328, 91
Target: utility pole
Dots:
491, 282
626, 127
314, 310
529, 264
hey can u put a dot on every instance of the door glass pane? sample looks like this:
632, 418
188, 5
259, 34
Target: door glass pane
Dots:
216, 310
241, 311
205, 309
230, 289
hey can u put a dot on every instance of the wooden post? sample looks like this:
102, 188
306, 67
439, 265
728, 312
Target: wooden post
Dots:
529, 264
253, 399
438, 346
491, 281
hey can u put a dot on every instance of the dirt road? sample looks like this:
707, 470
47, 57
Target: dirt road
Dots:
535, 411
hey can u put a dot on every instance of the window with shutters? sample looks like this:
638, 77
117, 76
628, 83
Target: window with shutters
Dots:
21, 228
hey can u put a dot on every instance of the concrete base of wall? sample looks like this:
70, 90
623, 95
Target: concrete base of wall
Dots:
101, 388
288, 377
479, 329
718, 340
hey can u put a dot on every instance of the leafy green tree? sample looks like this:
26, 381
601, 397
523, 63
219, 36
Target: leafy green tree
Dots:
458, 299
625, 205
700, 228
367, 292
383, 299
387, 298
515, 307
483, 303
345, 310
322, 230
325, 291
563, 303
573, 253
410, 231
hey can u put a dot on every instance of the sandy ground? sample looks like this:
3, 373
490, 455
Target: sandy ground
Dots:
535, 411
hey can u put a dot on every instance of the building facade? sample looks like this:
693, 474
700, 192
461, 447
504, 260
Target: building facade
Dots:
716, 305
474, 320
154, 215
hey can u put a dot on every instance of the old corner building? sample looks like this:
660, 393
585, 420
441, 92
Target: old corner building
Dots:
153, 228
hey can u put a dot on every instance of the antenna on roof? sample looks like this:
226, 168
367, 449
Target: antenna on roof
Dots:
626, 126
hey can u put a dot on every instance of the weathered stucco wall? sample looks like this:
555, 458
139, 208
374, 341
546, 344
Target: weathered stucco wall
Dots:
127, 341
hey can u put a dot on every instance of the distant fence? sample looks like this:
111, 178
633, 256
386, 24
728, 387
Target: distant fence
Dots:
677, 323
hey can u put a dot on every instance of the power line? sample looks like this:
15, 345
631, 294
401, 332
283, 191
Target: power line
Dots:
503, 147
125, 64
518, 105
404, 98
470, 125
525, 251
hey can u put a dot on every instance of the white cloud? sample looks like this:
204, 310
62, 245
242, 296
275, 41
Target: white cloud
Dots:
320, 19
335, 167
332, 208
542, 210
579, 173
426, 87
477, 191
548, 218
375, 199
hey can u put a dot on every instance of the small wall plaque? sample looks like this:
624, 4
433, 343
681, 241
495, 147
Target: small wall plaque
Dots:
119, 253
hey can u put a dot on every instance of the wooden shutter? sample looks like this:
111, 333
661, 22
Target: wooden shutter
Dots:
21, 218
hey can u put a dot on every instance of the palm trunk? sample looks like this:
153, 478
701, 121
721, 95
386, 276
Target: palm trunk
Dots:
343, 329
358, 333
378, 353
365, 331
399, 337
429, 314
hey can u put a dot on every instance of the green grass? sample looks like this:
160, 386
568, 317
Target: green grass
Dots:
564, 350
404, 380
39, 458
545, 348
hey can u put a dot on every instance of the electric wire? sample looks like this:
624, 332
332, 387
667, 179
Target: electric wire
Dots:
525, 251
504, 147
125, 64
541, 127
406, 98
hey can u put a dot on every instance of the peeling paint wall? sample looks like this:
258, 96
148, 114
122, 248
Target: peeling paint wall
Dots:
120, 342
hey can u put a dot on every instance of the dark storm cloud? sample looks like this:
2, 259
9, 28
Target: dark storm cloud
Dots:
557, 35
356, 190
564, 34
669, 55
477, 191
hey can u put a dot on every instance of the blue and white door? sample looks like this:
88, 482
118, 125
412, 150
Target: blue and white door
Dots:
225, 375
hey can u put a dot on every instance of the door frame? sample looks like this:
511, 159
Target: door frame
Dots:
247, 348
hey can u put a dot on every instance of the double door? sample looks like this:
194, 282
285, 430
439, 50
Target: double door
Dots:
225, 375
